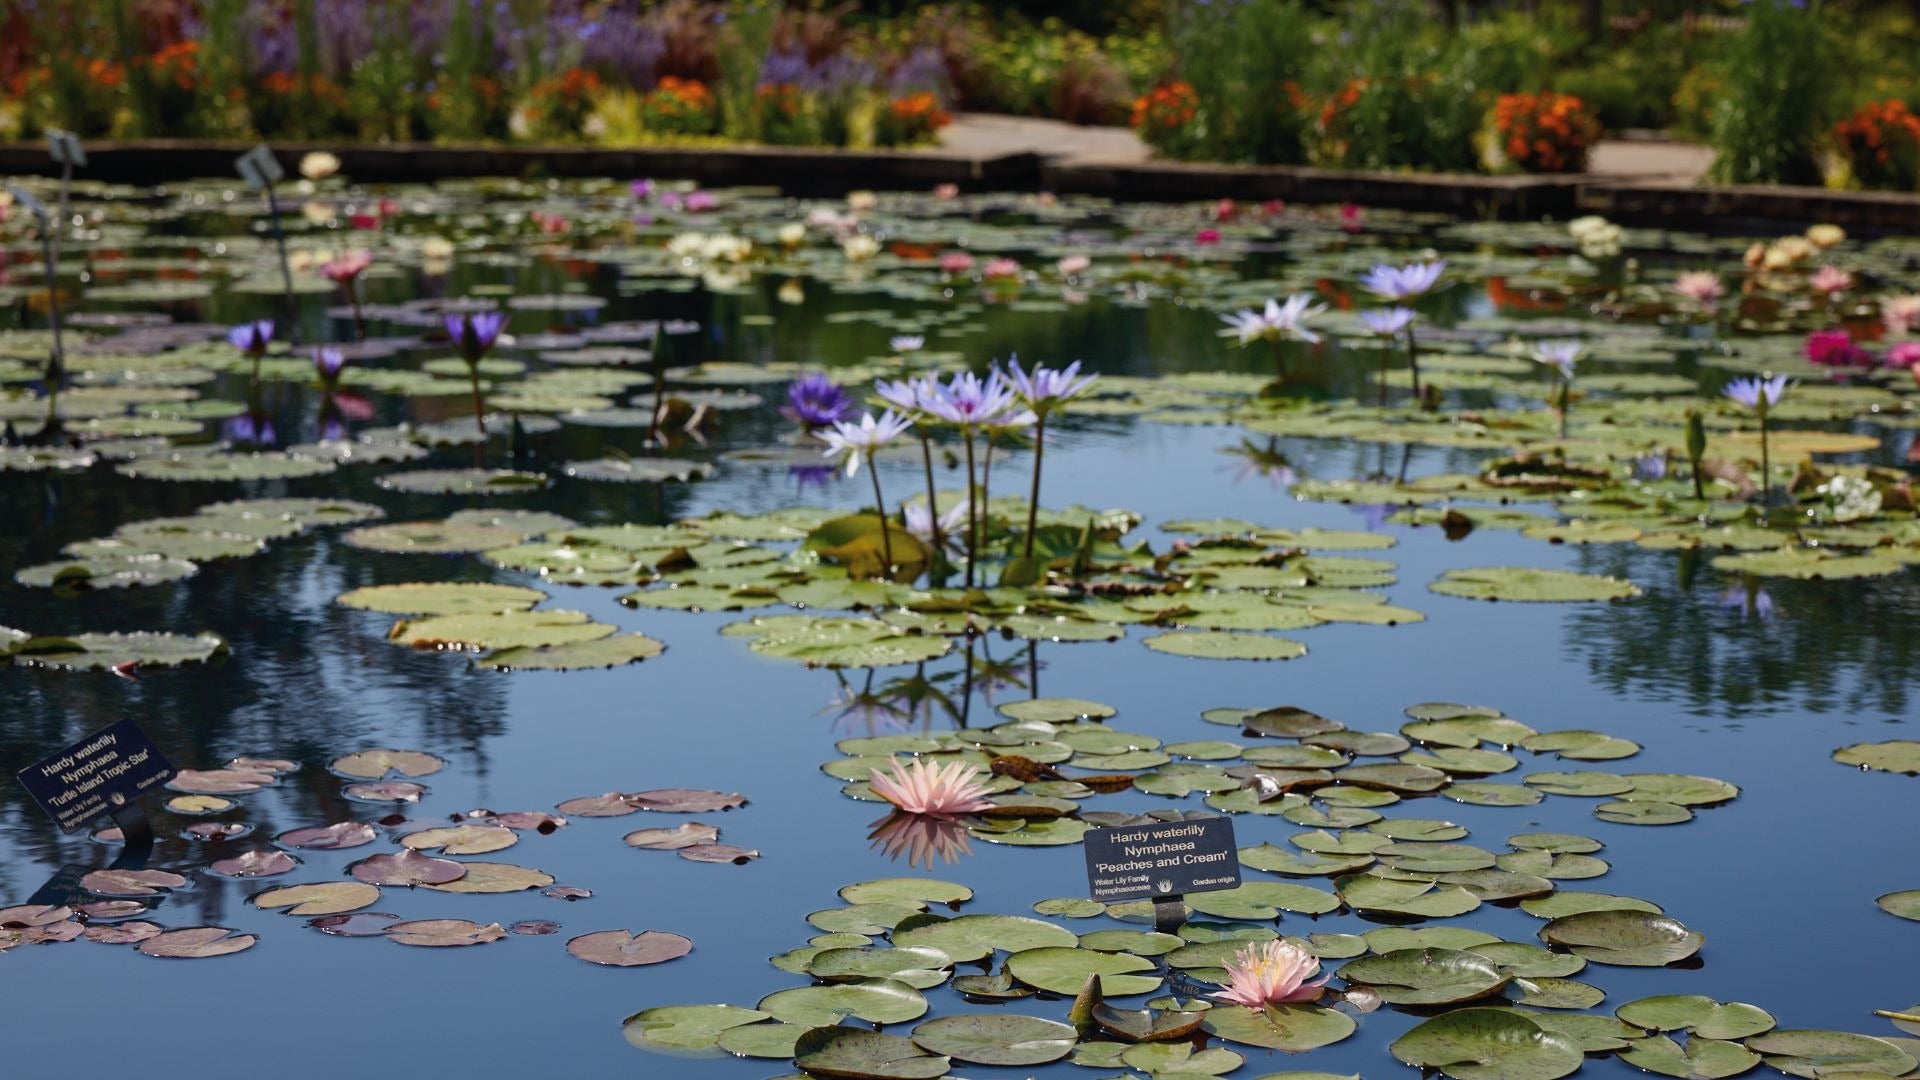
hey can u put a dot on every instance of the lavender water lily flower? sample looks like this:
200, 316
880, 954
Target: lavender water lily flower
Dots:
1403, 282
1760, 395
1275, 323
855, 441
972, 404
813, 401
1561, 356
472, 336
1044, 391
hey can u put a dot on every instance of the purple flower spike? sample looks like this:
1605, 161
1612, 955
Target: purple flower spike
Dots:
815, 402
473, 335
252, 338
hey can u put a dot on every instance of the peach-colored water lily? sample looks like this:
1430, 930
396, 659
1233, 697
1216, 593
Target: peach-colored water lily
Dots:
1703, 287
919, 787
1271, 973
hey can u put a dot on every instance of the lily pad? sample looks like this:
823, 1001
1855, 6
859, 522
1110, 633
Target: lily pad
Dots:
1630, 938
1488, 1044
1224, 645
844, 1053
1524, 584
1065, 970
1894, 755
996, 1040
620, 948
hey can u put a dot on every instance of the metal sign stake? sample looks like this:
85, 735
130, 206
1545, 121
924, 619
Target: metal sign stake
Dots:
56, 372
259, 168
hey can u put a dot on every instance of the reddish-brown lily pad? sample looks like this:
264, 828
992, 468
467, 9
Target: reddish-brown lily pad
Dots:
686, 801
405, 791
611, 804
254, 864
31, 915
128, 933
719, 853
618, 948
358, 924
407, 868
197, 943
444, 933
131, 882
345, 834
691, 834
219, 781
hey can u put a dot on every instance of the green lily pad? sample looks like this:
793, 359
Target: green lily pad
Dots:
996, 1040
1643, 813
1554, 993
1581, 745
1055, 710
1489, 1044
1572, 902
1894, 756
877, 1001
614, 651
1629, 938
463, 482
1064, 970
1530, 961
106, 572
971, 937
906, 890
1224, 645
1817, 1054
1294, 1027
1263, 900
500, 630
831, 641
1409, 898
1700, 1059
847, 1053
920, 968
441, 598
680, 1028
1174, 1059
1427, 976
1904, 904
1524, 584
775, 1041
1679, 790
1699, 1015
83, 652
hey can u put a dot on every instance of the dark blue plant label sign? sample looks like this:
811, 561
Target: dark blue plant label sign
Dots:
97, 775
1166, 858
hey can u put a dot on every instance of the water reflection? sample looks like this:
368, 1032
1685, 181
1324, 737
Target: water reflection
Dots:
920, 839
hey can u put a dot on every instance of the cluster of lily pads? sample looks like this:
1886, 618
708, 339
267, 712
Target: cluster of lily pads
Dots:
1494, 1007
116, 905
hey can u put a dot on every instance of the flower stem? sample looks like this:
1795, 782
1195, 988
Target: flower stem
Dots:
880, 507
359, 320
933, 502
1766, 466
1413, 362
1033, 500
986, 476
973, 531
1566, 400
1384, 357
1279, 362
479, 414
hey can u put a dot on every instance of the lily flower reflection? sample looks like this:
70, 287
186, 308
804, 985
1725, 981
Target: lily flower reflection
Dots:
1266, 462
1750, 599
921, 839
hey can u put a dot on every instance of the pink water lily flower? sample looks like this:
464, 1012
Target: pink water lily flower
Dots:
1702, 287
919, 787
1271, 973
346, 268
1830, 279
956, 262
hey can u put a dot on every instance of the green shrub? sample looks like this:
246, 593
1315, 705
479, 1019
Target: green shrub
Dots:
1246, 63
1776, 100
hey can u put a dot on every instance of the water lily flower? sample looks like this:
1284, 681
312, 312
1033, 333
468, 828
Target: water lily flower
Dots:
1824, 236
906, 343
1274, 322
642, 189
1559, 354
791, 292
1760, 395
1901, 313
862, 200
252, 338
328, 361
343, 269
1386, 322
945, 192
955, 262
1650, 467
472, 335
1000, 269
792, 234
1205, 237
1829, 280
1700, 287
1835, 348
1271, 973
967, 400
813, 401
318, 165
943, 791
1046, 389
699, 202
1224, 209
860, 247
436, 249
1597, 237
856, 441
1352, 217
1905, 354
923, 524
1403, 282
1073, 265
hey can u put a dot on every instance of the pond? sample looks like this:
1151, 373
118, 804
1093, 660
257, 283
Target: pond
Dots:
1390, 765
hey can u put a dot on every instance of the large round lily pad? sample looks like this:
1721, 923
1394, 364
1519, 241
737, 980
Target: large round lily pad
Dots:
844, 1053
102, 651
1489, 1044
878, 1001
1293, 1027
1527, 584
1224, 645
606, 652
1630, 938
680, 1028
1817, 1054
498, 630
1065, 971
996, 1040
442, 598
1427, 976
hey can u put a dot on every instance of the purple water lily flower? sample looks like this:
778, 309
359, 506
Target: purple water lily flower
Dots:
328, 361
814, 402
968, 400
1752, 392
252, 338
860, 440
248, 428
1046, 388
473, 335
1387, 322
1650, 467
642, 189
1403, 282
1559, 354
906, 395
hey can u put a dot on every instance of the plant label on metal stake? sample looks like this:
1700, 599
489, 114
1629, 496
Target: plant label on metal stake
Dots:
99, 775
1162, 861
65, 149
260, 169
57, 362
